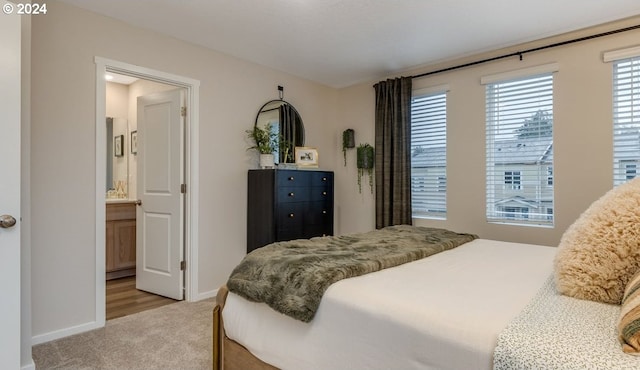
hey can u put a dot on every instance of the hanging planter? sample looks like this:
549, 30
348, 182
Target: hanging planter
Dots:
365, 154
348, 142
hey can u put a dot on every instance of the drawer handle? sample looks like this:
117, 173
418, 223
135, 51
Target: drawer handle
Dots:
324, 179
324, 212
324, 193
291, 194
290, 178
290, 215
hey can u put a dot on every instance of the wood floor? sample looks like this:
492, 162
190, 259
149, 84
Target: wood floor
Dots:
124, 299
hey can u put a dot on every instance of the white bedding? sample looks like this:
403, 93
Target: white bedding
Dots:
441, 312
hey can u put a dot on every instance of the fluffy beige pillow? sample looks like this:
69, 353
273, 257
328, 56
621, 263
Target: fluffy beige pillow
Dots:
600, 252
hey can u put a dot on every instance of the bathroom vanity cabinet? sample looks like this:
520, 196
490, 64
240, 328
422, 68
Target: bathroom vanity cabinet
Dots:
120, 240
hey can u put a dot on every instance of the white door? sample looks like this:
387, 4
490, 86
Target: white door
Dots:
159, 231
10, 190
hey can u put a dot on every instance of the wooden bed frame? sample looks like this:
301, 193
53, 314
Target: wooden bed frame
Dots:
229, 354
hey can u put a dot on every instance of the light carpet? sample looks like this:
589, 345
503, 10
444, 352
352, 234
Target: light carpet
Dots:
176, 336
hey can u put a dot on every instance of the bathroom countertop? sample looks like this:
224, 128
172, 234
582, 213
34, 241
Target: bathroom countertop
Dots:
118, 200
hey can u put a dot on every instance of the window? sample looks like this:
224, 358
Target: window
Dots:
630, 170
429, 155
519, 144
512, 180
626, 119
550, 213
513, 213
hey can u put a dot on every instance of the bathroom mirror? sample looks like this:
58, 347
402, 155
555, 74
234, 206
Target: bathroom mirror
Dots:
287, 121
117, 158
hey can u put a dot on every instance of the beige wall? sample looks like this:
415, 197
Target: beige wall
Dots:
582, 137
64, 44
355, 211
117, 96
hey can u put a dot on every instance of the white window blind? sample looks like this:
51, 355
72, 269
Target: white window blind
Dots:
626, 119
519, 146
429, 155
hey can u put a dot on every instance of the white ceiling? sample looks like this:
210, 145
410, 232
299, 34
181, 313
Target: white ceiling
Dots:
343, 42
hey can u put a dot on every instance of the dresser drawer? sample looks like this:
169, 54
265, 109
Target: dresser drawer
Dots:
293, 194
290, 215
318, 193
317, 178
290, 234
318, 230
292, 178
318, 213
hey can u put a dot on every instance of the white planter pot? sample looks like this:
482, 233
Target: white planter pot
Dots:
266, 161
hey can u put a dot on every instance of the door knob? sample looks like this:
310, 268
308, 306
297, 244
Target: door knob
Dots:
7, 221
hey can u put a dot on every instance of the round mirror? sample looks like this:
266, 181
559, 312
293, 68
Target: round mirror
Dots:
286, 123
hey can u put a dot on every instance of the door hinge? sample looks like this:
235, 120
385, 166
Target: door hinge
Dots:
183, 111
183, 188
183, 265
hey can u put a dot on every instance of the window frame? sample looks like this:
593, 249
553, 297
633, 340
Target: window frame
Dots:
534, 187
625, 115
435, 184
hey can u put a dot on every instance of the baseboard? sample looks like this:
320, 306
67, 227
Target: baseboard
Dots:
29, 366
206, 295
47, 337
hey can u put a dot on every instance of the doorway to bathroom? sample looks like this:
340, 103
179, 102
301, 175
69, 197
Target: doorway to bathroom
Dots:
144, 129
149, 145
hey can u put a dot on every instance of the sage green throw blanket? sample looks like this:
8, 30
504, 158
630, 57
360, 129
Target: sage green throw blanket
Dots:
292, 276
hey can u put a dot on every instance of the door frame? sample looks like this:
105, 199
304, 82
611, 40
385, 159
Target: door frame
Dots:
191, 201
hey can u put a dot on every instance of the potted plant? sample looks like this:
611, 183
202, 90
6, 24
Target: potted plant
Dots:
266, 142
348, 142
365, 156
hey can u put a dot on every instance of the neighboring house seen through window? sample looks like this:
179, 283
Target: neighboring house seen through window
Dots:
519, 149
429, 155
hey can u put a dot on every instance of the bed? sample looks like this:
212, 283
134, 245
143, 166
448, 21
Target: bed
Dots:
443, 311
473, 304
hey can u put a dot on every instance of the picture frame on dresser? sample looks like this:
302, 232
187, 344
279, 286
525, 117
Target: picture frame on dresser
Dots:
306, 157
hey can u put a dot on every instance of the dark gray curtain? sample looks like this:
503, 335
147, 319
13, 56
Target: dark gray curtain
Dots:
393, 152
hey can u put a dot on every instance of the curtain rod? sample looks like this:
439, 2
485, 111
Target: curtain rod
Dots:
521, 53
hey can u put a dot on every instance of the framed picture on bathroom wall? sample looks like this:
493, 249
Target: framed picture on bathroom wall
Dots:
117, 146
134, 142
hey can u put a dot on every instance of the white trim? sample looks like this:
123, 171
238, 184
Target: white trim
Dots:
430, 90
57, 334
207, 295
613, 55
101, 177
29, 366
193, 189
192, 123
518, 73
